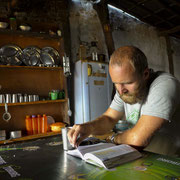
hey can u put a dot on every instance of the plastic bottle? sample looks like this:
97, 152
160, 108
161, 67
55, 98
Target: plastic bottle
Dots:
13, 23
39, 124
44, 123
28, 122
34, 124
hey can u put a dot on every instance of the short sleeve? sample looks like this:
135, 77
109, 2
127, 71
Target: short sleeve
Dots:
162, 99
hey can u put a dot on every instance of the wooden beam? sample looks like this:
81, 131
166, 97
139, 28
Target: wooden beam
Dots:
103, 13
169, 54
170, 31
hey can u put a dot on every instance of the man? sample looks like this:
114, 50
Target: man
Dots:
147, 99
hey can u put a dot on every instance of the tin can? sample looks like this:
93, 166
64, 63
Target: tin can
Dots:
66, 143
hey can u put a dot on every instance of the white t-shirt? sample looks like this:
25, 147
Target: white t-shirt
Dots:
162, 100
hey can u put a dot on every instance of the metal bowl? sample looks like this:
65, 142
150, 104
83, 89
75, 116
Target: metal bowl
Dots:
25, 28
3, 25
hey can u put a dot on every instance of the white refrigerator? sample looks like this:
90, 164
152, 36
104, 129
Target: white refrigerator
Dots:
92, 90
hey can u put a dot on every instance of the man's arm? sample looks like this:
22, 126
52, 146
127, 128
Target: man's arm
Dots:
141, 133
99, 126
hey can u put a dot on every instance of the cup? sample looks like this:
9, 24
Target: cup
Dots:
25, 98
21, 98
2, 98
35, 97
66, 143
14, 98
54, 94
8, 98
15, 134
61, 94
2, 135
30, 98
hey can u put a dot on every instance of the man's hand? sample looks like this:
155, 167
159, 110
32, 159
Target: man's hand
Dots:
78, 133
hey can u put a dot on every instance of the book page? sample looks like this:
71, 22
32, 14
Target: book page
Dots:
109, 156
82, 150
91, 148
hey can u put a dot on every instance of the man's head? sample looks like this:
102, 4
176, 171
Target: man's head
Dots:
129, 72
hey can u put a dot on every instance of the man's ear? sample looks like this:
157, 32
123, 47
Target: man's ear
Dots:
146, 74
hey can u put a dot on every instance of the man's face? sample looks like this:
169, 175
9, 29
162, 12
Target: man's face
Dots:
130, 86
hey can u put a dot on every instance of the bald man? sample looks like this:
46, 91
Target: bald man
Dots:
146, 98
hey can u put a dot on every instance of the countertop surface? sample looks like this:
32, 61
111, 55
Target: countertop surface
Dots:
46, 159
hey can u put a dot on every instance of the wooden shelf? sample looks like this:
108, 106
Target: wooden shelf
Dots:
29, 33
36, 102
31, 67
32, 80
30, 137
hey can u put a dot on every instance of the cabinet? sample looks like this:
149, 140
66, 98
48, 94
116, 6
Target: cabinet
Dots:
32, 80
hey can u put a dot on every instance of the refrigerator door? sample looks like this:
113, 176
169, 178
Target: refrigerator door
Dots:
92, 90
98, 85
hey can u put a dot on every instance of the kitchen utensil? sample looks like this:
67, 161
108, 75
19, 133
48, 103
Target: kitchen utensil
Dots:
66, 66
47, 59
14, 98
56, 127
25, 98
54, 94
6, 116
2, 135
50, 120
31, 56
3, 25
50, 56
21, 98
66, 143
69, 110
15, 134
8, 98
11, 54
30, 98
2, 98
35, 97
25, 27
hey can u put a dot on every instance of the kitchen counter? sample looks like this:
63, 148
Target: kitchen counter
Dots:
46, 159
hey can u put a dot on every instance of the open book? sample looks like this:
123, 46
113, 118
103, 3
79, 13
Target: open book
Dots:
106, 155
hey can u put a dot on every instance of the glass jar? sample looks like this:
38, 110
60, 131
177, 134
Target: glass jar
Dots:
13, 23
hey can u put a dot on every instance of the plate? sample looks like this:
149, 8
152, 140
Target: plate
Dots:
11, 55
31, 56
50, 56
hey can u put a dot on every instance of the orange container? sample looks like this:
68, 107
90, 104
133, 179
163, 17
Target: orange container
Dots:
28, 122
34, 124
44, 123
39, 122
56, 127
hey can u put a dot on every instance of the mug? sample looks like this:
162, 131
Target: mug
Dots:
54, 94
14, 98
30, 98
15, 134
35, 97
8, 98
66, 143
25, 98
2, 98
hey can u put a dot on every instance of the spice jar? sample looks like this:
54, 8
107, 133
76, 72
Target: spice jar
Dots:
13, 23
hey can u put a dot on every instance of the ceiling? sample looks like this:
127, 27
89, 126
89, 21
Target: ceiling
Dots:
162, 14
